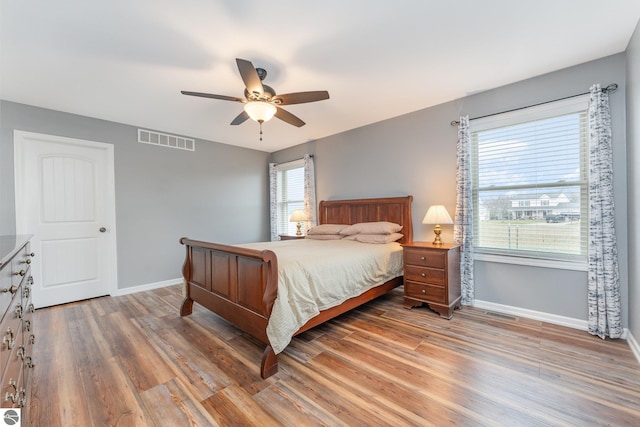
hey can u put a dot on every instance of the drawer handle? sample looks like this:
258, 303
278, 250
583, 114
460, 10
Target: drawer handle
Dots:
424, 292
9, 340
22, 401
422, 258
11, 396
423, 274
13, 289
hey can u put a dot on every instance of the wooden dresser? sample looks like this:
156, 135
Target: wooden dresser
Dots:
432, 276
16, 324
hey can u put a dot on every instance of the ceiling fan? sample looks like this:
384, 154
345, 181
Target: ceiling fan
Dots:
260, 101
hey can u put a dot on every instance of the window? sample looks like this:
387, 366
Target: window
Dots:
530, 181
290, 194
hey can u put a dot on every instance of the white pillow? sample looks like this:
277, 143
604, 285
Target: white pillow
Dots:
324, 236
375, 238
380, 227
327, 229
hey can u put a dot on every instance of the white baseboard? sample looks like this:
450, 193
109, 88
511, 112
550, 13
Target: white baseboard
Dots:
147, 287
635, 348
570, 322
532, 314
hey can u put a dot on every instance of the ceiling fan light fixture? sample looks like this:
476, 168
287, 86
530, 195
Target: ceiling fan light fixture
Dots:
260, 101
260, 111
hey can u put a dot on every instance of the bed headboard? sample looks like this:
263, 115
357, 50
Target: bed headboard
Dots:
391, 209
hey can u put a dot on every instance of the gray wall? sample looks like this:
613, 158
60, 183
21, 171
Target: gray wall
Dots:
633, 160
217, 193
415, 154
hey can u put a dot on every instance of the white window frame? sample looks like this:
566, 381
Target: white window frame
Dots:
283, 206
537, 259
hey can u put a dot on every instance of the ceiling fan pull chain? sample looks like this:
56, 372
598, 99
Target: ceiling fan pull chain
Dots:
260, 121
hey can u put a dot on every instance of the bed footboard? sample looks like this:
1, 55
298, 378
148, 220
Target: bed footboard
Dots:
237, 284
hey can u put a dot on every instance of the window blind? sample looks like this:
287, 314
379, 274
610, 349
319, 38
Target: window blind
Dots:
530, 181
290, 190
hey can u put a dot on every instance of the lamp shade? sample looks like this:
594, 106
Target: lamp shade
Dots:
437, 214
260, 111
297, 215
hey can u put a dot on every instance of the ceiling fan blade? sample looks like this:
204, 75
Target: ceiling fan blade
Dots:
210, 95
240, 118
301, 97
286, 116
250, 76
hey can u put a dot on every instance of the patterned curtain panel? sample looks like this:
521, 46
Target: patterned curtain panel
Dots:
309, 191
463, 224
604, 284
273, 201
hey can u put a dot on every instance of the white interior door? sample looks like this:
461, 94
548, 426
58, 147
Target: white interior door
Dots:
65, 198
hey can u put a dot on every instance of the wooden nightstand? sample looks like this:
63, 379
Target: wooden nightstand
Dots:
290, 237
432, 276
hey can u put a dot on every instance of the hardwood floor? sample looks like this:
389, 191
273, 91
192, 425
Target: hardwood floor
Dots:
133, 361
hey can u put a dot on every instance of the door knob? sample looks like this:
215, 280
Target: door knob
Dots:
102, 229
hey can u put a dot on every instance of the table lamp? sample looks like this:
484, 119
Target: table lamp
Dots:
298, 215
437, 214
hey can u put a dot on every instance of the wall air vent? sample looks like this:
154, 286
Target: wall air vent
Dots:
166, 140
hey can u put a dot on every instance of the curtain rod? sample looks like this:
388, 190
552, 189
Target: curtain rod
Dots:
290, 161
610, 88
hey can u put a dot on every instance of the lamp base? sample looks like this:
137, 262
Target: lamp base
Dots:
437, 231
298, 233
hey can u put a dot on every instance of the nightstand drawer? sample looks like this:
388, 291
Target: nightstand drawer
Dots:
427, 292
290, 237
424, 274
434, 259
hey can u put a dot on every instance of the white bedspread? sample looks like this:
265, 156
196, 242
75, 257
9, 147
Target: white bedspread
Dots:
314, 275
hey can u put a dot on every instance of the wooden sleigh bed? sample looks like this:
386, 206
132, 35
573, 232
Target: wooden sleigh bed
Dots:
241, 284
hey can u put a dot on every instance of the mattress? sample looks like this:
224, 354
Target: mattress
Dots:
314, 275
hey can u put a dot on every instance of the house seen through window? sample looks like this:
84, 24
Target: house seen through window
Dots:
530, 181
290, 194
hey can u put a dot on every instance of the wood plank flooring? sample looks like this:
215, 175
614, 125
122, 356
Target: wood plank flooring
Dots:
133, 361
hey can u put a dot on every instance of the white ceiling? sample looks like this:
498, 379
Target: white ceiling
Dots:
127, 60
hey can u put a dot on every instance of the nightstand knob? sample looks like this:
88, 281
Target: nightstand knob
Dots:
423, 274
422, 258
424, 292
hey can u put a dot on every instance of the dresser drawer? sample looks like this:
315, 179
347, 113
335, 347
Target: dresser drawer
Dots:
425, 291
20, 264
11, 329
424, 274
13, 392
6, 283
28, 339
26, 287
433, 259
